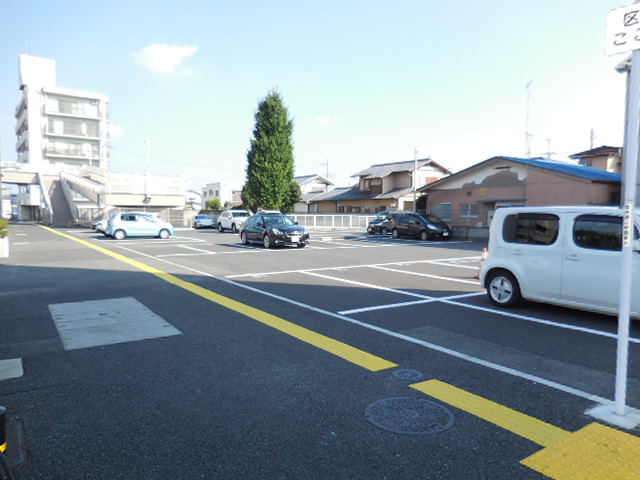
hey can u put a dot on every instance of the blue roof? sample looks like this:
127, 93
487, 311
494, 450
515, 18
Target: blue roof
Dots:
570, 169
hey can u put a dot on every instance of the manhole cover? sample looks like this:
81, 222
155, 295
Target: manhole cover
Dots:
408, 374
412, 416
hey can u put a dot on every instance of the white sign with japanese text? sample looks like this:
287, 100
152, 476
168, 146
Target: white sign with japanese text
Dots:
623, 30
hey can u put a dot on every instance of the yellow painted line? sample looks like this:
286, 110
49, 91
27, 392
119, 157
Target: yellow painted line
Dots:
340, 349
596, 452
3, 447
519, 423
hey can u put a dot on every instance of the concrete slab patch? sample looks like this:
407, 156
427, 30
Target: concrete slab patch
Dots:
105, 322
11, 368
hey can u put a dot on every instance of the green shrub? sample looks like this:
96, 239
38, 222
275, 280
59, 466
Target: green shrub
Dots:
4, 228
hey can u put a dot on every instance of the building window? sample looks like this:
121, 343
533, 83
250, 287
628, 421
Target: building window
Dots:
442, 210
469, 210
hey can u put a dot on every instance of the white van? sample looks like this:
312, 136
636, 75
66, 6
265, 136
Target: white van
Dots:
563, 255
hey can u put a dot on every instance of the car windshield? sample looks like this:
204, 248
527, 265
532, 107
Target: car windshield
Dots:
278, 221
240, 214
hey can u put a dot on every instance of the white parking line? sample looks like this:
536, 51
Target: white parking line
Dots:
368, 285
408, 304
439, 277
431, 346
347, 267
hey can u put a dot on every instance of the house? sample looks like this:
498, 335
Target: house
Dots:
310, 187
469, 198
382, 187
604, 158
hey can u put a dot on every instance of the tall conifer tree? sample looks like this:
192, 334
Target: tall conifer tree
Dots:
270, 168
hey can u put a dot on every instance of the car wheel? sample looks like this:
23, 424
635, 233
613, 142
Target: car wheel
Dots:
243, 238
119, 234
220, 229
394, 233
503, 289
302, 245
384, 231
164, 233
266, 241
424, 235
233, 228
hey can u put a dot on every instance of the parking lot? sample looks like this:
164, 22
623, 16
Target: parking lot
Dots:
413, 308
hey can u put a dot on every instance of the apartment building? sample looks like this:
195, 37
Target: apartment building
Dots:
58, 126
227, 192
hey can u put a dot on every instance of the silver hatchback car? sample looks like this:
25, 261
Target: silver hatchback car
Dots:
138, 224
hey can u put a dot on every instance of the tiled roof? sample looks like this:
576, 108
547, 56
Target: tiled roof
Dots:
352, 193
301, 180
307, 197
384, 169
597, 152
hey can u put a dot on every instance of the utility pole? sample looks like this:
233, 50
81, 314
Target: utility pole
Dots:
415, 174
146, 176
527, 135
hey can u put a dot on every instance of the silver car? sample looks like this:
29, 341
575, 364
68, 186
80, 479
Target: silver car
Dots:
202, 221
232, 220
138, 224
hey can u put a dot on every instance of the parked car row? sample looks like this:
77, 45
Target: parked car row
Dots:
419, 225
268, 227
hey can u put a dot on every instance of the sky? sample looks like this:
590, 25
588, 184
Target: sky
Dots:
364, 81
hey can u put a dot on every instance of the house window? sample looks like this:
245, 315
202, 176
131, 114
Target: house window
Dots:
442, 210
469, 210
340, 209
374, 185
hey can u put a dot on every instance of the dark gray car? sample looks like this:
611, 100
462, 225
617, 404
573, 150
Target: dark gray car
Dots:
422, 226
273, 229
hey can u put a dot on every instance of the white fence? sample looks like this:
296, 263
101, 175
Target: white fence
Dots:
332, 221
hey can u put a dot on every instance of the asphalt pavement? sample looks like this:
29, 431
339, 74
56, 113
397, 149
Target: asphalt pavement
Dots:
125, 361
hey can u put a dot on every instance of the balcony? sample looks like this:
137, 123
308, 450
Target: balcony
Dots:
71, 136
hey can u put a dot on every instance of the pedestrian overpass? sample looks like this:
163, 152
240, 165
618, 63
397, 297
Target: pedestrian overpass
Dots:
78, 195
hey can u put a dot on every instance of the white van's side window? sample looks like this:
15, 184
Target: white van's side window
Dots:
600, 232
530, 228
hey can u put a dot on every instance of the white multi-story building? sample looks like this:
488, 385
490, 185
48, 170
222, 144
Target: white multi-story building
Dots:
59, 126
227, 192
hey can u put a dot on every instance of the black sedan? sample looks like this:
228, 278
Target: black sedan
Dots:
273, 229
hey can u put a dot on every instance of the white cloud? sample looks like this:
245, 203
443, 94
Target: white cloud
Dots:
162, 58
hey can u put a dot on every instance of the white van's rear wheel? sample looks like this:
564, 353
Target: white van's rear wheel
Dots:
503, 289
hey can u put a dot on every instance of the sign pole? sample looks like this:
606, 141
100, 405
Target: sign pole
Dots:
630, 152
